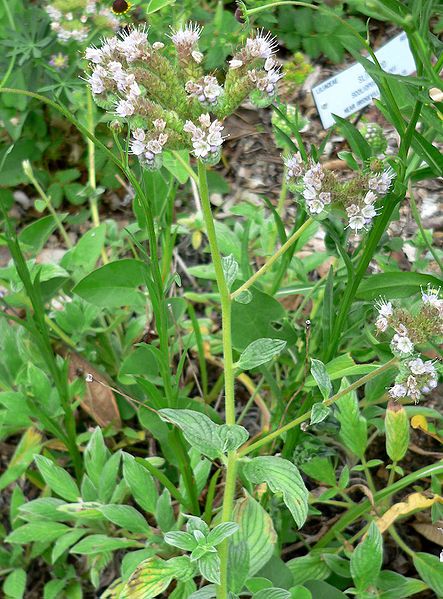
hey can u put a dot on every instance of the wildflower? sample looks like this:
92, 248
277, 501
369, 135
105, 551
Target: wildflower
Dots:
294, 164
398, 391
185, 40
120, 7
207, 90
402, 344
148, 146
59, 61
381, 182
261, 46
206, 139
125, 108
384, 308
431, 297
94, 54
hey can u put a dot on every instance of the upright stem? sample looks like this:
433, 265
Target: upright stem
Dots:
273, 258
225, 300
91, 160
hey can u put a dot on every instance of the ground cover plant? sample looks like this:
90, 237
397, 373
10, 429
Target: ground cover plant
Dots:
204, 392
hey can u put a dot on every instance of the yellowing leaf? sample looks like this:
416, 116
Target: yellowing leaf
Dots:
419, 421
414, 502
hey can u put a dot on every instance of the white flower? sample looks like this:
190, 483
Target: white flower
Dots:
384, 308
417, 366
356, 223
381, 182
370, 197
125, 108
413, 390
294, 164
402, 344
315, 206
235, 63
159, 124
381, 323
314, 176
260, 46
369, 212
432, 297
201, 148
186, 37
158, 45
352, 210
54, 13
309, 193
398, 391
94, 55
197, 56
325, 197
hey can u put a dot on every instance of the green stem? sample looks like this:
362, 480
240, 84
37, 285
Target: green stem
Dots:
225, 300
397, 538
368, 475
158, 474
307, 415
29, 173
91, 160
264, 269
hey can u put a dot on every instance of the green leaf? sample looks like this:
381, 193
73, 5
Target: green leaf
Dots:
207, 592
353, 427
37, 233
209, 566
319, 412
244, 297
126, 517
83, 257
221, 532
170, 162
238, 565
272, 593
66, 541
140, 483
154, 575
308, 567
358, 144
230, 269
281, 476
320, 469
259, 352
183, 590
57, 479
256, 530
300, 592
114, 284
164, 513
397, 431
430, 569
321, 377
95, 456
366, 560
182, 540
37, 531
154, 6
212, 440
94, 544
394, 285
392, 585
14, 585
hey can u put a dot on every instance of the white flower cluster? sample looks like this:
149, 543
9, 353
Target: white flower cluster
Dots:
401, 344
419, 378
361, 214
207, 138
110, 74
266, 80
312, 180
261, 46
70, 26
207, 90
185, 40
148, 146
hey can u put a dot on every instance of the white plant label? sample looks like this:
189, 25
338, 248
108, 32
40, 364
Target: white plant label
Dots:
353, 89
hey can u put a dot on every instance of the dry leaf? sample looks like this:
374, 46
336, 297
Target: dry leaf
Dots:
431, 532
98, 401
415, 501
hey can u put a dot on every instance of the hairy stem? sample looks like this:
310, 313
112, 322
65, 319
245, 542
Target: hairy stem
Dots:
225, 300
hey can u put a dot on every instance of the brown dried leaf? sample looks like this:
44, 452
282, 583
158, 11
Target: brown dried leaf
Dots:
431, 532
414, 502
99, 401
